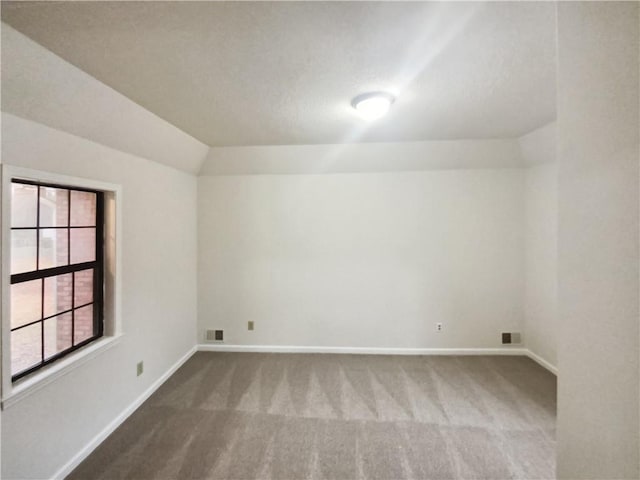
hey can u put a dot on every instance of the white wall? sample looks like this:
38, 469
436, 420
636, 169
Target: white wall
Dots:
541, 242
539, 146
46, 429
598, 153
541, 258
363, 157
362, 260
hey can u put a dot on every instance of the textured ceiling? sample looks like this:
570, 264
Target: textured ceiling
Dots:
269, 73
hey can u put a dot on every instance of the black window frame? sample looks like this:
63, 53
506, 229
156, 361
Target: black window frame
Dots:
98, 274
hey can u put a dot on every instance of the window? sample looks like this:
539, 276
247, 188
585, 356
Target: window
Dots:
57, 265
61, 281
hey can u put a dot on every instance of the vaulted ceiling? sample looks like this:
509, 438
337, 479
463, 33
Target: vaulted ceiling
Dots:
270, 73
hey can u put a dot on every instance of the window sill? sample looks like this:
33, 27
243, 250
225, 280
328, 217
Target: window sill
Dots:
25, 387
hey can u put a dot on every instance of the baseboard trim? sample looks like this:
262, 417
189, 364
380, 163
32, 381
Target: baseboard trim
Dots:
360, 350
68, 467
542, 362
221, 347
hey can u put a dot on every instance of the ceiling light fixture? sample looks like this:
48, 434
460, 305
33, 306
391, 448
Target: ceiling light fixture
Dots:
372, 105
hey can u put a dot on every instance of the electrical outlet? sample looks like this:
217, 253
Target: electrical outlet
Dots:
140, 368
438, 327
250, 325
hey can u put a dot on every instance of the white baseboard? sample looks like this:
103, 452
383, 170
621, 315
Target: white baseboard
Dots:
68, 467
541, 361
221, 347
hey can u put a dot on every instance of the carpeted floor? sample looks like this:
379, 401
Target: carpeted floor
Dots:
299, 416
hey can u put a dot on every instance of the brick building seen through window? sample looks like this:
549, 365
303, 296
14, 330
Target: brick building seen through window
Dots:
56, 272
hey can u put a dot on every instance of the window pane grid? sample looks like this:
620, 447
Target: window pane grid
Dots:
70, 289
53, 228
51, 316
69, 246
73, 301
41, 304
38, 230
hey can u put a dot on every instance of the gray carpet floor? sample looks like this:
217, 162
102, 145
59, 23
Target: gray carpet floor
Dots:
315, 416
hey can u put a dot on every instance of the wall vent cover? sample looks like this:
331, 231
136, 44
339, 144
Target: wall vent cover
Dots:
214, 335
511, 338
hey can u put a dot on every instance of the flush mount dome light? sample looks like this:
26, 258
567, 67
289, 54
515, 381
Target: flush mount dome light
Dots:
373, 105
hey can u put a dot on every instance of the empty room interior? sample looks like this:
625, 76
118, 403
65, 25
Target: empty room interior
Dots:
308, 240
